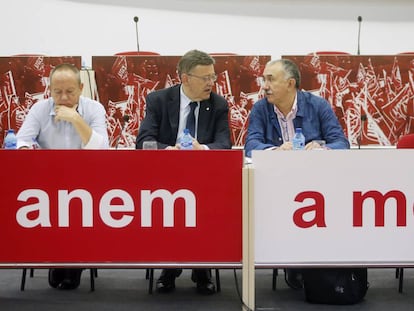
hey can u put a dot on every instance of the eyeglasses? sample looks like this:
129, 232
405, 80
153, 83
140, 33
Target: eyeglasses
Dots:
205, 79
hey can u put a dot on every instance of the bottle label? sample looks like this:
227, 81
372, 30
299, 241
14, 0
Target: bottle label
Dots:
186, 141
298, 143
10, 145
10, 141
186, 144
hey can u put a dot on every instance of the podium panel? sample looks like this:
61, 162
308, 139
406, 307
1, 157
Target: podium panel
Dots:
152, 207
333, 208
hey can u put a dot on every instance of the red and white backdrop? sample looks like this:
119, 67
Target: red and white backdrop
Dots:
23, 81
373, 96
123, 82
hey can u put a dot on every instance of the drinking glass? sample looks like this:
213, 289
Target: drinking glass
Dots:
149, 145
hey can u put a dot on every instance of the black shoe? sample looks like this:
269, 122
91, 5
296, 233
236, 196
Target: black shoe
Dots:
166, 281
293, 278
206, 288
68, 284
65, 278
201, 275
165, 285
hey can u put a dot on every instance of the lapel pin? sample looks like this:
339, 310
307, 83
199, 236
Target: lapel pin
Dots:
207, 108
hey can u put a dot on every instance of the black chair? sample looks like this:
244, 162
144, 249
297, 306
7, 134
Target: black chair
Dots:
325, 53
137, 53
274, 278
399, 274
93, 275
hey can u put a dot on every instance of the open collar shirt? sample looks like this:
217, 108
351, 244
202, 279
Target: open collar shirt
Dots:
40, 127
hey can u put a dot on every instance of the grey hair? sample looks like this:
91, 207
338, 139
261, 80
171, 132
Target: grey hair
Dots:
290, 68
64, 67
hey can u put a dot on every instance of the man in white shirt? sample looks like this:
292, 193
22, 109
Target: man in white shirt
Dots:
65, 121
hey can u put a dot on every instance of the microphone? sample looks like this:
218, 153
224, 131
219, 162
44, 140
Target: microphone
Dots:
136, 30
359, 33
125, 119
363, 119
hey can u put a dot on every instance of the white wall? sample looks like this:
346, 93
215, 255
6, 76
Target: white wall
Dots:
172, 27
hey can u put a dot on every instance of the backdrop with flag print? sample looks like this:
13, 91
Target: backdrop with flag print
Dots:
123, 82
372, 96
23, 81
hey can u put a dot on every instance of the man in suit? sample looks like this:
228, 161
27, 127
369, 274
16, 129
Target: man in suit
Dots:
166, 117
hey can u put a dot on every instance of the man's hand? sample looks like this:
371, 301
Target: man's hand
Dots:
196, 146
286, 146
316, 145
176, 147
64, 113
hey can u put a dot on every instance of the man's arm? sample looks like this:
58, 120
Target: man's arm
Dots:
29, 129
221, 130
93, 135
256, 131
333, 133
69, 114
150, 125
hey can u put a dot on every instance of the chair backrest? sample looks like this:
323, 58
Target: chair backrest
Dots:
329, 53
222, 54
136, 53
27, 55
406, 142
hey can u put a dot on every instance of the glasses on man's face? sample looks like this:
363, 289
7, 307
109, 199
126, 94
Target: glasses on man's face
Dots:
206, 79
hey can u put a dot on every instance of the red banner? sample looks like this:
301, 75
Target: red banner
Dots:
121, 206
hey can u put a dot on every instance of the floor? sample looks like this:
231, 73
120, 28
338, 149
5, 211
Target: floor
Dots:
118, 289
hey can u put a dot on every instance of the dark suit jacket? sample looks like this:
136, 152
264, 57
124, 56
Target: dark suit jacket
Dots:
162, 117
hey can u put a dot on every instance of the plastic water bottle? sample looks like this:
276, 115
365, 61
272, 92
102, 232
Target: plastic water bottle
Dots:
186, 141
298, 140
10, 141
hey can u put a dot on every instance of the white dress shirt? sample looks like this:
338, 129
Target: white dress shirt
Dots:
40, 126
184, 112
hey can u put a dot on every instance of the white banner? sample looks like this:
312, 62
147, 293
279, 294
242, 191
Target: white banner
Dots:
334, 207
